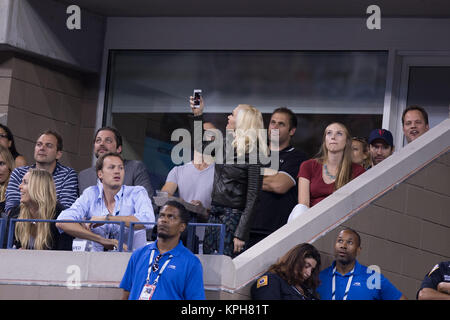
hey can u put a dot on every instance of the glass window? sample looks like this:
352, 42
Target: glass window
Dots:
148, 92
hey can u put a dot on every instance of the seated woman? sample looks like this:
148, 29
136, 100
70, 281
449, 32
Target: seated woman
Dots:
7, 141
38, 201
360, 152
329, 171
7, 165
294, 277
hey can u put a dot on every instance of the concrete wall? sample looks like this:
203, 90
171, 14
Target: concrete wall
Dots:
62, 275
35, 96
39, 28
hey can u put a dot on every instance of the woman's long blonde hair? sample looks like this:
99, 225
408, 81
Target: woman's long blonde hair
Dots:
344, 173
11, 164
41, 189
250, 135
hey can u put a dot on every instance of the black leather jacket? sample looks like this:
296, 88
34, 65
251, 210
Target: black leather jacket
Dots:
237, 186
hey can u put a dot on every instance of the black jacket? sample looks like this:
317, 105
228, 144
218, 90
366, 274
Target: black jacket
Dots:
271, 286
237, 186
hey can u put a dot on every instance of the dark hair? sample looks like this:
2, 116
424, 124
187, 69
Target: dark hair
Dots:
116, 132
355, 233
418, 108
185, 216
59, 140
101, 159
290, 266
290, 113
10, 137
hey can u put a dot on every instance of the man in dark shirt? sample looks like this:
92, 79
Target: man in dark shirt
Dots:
436, 284
108, 139
279, 191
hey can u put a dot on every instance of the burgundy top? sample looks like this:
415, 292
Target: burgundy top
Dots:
318, 189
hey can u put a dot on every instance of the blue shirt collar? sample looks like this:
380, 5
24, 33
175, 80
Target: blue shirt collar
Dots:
348, 274
175, 251
118, 195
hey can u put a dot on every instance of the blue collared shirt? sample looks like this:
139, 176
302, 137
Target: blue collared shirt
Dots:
182, 279
129, 201
365, 285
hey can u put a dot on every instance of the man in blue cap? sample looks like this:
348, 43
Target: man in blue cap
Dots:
381, 145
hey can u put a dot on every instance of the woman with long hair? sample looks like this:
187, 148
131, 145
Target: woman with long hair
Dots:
237, 181
38, 201
330, 170
7, 141
295, 276
361, 153
7, 165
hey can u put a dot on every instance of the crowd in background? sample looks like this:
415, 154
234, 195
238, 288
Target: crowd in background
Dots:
248, 197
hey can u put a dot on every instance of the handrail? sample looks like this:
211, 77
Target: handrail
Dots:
191, 225
190, 234
3, 223
13, 222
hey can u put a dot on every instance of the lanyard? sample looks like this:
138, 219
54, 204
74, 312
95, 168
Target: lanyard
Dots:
150, 265
347, 288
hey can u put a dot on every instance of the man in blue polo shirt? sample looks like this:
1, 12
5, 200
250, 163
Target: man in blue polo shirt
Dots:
165, 269
346, 279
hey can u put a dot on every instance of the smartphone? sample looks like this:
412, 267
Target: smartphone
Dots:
197, 95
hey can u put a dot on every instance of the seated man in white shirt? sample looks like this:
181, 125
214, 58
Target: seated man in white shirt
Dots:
109, 200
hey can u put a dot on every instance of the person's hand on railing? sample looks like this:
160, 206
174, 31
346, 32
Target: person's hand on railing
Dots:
112, 244
203, 214
238, 245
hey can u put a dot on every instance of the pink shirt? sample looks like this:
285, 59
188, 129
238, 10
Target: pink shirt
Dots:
318, 189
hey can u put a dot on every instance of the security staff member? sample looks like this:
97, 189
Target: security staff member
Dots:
165, 269
436, 284
346, 279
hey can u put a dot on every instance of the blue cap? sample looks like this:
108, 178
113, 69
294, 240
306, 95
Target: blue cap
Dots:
382, 134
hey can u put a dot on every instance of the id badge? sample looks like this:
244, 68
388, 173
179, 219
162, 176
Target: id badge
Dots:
147, 292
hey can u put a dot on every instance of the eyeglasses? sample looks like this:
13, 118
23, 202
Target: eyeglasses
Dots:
2, 135
155, 266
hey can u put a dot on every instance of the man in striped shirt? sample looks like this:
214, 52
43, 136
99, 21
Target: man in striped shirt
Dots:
47, 152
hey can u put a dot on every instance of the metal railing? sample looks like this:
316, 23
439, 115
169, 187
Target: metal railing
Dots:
13, 222
189, 244
190, 234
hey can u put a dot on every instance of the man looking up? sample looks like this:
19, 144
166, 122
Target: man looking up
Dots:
109, 200
47, 151
279, 189
381, 145
165, 269
346, 279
